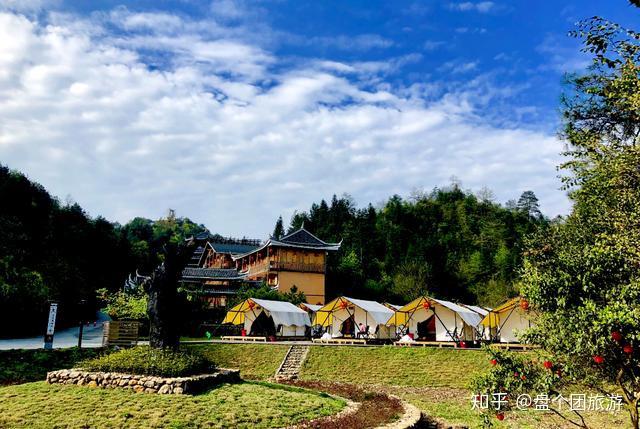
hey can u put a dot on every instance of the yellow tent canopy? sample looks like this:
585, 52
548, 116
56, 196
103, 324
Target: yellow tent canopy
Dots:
283, 313
236, 314
324, 316
493, 319
375, 311
403, 315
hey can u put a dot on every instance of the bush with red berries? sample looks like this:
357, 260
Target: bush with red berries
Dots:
514, 374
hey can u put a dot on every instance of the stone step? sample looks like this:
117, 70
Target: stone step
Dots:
292, 363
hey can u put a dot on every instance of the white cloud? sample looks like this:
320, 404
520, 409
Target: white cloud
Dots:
222, 136
459, 67
433, 45
233, 10
361, 42
481, 7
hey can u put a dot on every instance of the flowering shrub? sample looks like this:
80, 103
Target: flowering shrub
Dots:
510, 376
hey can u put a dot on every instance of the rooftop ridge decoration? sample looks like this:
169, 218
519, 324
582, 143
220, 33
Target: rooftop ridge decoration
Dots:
301, 238
303, 234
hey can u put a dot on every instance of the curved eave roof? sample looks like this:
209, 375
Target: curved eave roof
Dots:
312, 243
328, 246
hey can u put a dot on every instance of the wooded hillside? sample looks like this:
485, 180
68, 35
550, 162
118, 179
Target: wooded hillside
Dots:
449, 243
55, 251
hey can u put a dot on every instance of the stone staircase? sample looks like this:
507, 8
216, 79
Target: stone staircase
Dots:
292, 362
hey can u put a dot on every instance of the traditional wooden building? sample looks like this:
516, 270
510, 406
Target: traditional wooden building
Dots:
298, 259
218, 268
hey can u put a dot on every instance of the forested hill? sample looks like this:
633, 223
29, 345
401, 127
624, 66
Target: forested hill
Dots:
448, 243
54, 251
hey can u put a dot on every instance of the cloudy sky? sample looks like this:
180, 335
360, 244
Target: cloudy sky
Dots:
235, 112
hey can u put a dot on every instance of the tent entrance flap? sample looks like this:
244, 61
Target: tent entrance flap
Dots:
263, 325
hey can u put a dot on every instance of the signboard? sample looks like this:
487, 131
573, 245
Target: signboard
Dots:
51, 325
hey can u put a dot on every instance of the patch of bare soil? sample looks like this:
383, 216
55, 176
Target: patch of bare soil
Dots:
376, 409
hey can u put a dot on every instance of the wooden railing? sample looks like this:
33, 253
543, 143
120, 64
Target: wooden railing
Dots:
257, 269
297, 266
285, 266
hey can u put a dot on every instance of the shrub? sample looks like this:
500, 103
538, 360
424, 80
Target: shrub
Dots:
122, 305
147, 361
22, 366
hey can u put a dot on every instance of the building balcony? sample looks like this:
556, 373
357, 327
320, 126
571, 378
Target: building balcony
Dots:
297, 266
265, 267
253, 270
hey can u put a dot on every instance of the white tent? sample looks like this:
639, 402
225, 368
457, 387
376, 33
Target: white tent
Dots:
310, 308
483, 332
450, 322
343, 316
481, 311
288, 320
507, 320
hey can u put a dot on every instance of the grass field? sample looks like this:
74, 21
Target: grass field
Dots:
435, 380
256, 362
237, 405
394, 366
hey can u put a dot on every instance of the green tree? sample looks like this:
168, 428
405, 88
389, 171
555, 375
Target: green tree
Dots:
582, 276
124, 305
264, 291
278, 230
528, 204
52, 251
412, 281
472, 247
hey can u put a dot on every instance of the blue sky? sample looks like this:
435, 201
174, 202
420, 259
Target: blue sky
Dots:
235, 112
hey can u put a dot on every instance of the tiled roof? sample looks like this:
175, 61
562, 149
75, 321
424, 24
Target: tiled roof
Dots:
195, 258
191, 273
232, 248
202, 236
304, 237
301, 239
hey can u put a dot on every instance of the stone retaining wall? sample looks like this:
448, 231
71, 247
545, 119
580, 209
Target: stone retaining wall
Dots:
144, 383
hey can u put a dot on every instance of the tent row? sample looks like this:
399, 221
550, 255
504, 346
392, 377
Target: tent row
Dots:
425, 318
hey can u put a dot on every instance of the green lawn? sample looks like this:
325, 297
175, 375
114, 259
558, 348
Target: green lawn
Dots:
394, 366
39, 405
434, 380
256, 362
